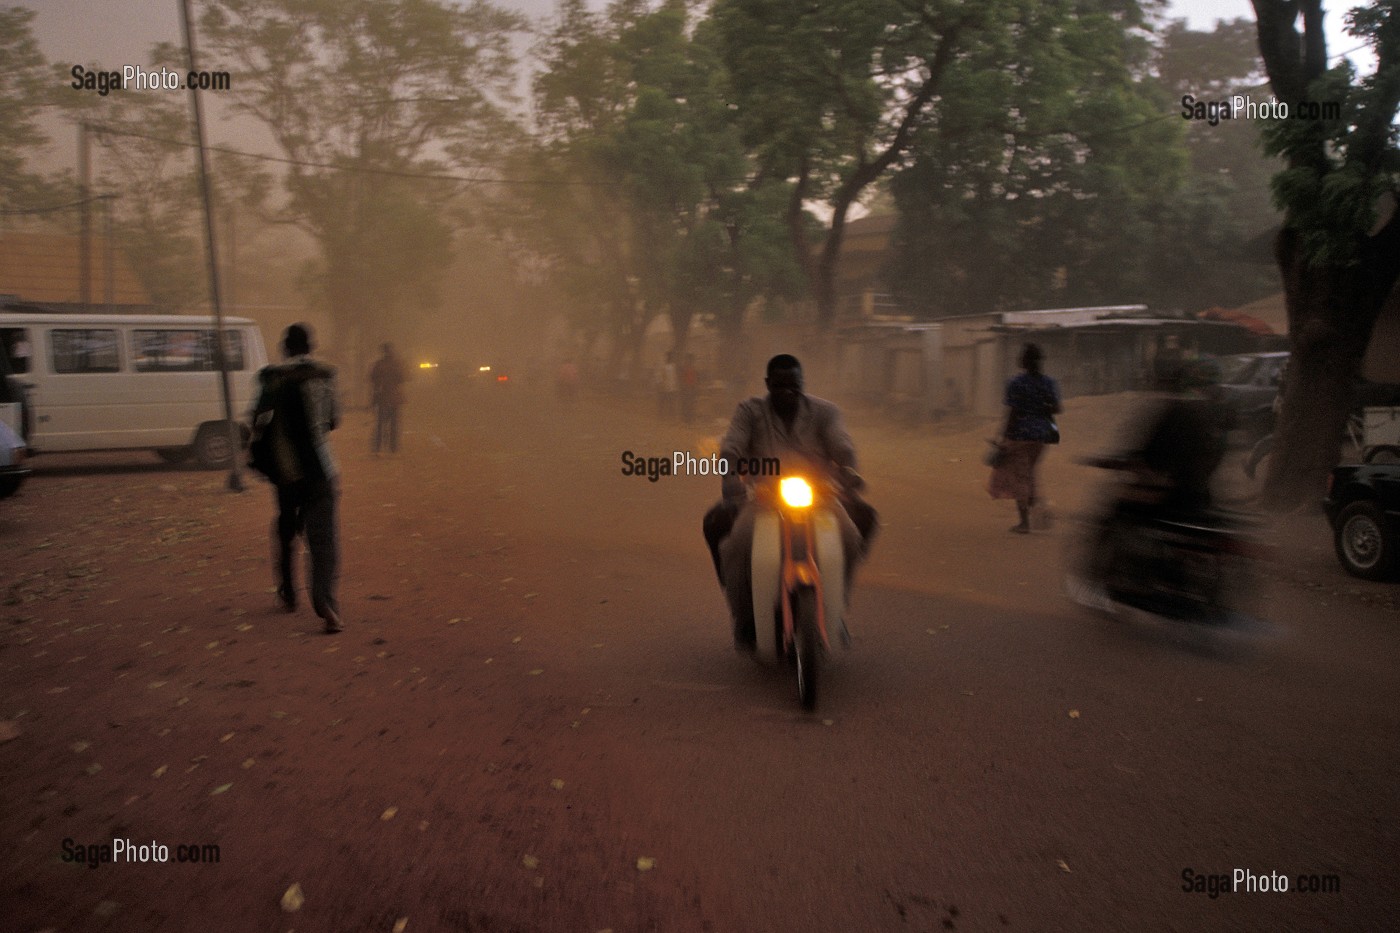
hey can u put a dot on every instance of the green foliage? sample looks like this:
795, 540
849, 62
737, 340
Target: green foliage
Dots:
25, 88
1338, 164
1046, 173
1058, 172
652, 211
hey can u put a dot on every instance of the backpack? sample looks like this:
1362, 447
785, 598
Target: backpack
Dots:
280, 429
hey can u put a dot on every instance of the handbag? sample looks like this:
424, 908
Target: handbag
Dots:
996, 456
1054, 436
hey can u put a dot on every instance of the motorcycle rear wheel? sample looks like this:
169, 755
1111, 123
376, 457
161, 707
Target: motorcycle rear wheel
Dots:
806, 645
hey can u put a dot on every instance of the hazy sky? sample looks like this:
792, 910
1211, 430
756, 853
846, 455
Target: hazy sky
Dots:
119, 32
113, 33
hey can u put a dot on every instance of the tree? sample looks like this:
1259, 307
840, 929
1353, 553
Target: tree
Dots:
369, 100
650, 210
1057, 170
1048, 173
24, 89
146, 160
830, 96
1339, 248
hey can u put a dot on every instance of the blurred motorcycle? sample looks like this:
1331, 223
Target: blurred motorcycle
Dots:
1195, 568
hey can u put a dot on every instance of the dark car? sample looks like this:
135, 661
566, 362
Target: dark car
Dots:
1363, 505
1248, 384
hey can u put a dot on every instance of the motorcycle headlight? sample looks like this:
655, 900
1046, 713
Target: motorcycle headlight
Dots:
796, 492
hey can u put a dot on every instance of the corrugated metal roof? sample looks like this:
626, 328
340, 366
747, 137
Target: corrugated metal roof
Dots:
43, 268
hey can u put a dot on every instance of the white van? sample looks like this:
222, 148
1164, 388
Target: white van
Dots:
131, 382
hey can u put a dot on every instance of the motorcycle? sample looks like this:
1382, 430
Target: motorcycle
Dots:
798, 573
1196, 569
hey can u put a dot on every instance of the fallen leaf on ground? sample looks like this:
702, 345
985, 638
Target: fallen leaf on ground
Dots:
1074, 714
80, 746
293, 899
389, 814
537, 671
1061, 862
228, 736
159, 771
220, 789
400, 924
248, 763
557, 784
646, 863
8, 730
530, 861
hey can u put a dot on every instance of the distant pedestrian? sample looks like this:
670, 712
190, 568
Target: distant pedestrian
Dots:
295, 412
667, 387
1032, 401
566, 381
690, 388
386, 379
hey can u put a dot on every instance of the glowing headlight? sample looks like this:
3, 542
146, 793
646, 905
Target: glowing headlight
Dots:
796, 492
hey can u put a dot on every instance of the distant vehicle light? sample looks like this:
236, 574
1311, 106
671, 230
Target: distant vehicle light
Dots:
483, 369
427, 366
503, 378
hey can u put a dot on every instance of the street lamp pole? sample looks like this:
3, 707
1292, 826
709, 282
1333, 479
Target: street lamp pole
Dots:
235, 478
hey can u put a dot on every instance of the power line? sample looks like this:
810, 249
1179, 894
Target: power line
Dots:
59, 207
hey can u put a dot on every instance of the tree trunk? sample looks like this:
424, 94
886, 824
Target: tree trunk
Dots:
1332, 311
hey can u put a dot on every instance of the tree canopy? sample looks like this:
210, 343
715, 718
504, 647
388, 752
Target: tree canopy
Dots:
1339, 247
367, 100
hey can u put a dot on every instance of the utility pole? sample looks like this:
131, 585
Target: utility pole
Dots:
84, 217
235, 440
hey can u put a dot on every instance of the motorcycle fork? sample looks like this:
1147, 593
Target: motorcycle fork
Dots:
800, 569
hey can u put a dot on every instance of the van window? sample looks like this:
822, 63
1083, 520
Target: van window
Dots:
14, 341
183, 351
84, 351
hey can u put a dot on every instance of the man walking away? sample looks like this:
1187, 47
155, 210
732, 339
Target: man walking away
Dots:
386, 380
295, 411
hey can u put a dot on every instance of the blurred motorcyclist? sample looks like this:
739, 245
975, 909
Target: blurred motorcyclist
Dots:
1184, 439
807, 437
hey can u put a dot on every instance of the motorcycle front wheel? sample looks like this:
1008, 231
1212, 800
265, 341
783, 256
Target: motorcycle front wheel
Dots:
806, 645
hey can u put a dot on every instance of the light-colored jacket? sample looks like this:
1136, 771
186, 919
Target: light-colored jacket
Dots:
817, 441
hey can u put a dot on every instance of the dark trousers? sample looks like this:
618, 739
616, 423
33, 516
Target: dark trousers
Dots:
386, 428
308, 507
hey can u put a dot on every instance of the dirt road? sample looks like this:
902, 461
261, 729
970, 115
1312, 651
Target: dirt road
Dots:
535, 721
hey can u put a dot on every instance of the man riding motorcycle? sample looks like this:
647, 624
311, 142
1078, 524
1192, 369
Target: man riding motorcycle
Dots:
1166, 484
806, 436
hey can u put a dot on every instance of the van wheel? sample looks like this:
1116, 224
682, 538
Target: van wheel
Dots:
174, 454
211, 446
